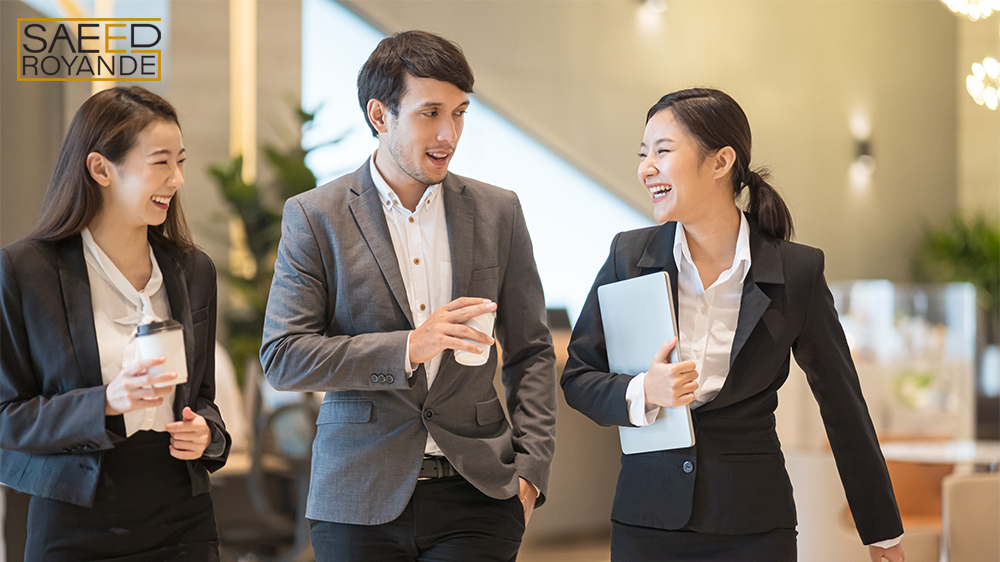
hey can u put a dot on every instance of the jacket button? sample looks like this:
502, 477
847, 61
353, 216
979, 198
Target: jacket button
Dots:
390, 379
428, 414
374, 379
687, 467
381, 379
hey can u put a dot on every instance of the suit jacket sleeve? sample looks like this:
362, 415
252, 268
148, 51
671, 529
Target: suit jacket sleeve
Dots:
218, 450
822, 352
528, 360
31, 422
297, 353
588, 385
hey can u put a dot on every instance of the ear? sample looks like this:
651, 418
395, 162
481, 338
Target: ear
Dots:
378, 115
99, 168
723, 161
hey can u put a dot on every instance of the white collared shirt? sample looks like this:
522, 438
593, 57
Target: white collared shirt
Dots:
706, 320
420, 239
118, 311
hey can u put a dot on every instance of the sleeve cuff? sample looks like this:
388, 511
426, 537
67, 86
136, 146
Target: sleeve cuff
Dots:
888, 543
408, 367
639, 413
217, 446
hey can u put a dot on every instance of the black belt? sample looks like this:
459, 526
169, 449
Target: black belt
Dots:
436, 467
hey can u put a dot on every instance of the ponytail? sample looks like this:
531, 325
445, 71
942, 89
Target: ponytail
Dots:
766, 207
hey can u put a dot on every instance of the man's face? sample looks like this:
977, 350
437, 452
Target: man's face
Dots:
423, 136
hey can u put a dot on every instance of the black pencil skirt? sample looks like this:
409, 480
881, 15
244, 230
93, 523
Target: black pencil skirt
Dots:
143, 512
630, 543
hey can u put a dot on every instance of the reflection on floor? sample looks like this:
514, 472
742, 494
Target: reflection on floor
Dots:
584, 549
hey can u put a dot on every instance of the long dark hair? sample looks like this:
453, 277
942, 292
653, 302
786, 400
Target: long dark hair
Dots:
108, 123
717, 121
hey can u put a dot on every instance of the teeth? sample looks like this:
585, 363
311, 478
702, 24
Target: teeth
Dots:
438, 154
658, 189
162, 199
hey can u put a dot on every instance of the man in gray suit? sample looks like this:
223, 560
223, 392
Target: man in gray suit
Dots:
376, 273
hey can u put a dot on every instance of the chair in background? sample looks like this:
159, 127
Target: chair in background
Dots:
971, 517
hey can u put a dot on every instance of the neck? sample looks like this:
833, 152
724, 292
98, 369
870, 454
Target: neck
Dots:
405, 187
714, 239
126, 247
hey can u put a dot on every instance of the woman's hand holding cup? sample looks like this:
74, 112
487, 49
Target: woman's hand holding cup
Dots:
133, 388
189, 437
670, 384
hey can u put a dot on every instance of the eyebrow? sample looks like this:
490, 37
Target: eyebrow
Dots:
440, 104
167, 152
657, 141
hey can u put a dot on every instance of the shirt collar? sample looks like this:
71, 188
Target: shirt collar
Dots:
100, 261
387, 196
742, 256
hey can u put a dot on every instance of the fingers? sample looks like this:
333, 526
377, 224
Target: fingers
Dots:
466, 302
142, 365
188, 415
185, 455
663, 353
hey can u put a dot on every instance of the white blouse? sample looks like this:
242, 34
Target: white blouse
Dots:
706, 320
118, 311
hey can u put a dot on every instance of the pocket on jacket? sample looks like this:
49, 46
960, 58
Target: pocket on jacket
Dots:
747, 457
199, 315
484, 283
345, 411
489, 412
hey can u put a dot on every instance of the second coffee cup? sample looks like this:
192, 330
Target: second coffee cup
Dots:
164, 339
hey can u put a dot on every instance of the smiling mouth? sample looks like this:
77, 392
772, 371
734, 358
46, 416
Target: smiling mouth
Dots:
439, 157
162, 201
658, 192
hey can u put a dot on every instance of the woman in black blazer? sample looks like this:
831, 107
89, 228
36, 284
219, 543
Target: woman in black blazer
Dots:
114, 471
746, 298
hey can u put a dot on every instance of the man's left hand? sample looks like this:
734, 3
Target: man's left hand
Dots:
527, 495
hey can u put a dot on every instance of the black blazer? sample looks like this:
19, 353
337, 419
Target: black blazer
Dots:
52, 424
733, 481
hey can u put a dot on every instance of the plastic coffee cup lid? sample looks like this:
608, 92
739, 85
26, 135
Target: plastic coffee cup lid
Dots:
156, 327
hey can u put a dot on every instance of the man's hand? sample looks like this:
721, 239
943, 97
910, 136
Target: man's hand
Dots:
670, 384
527, 495
189, 437
892, 554
443, 329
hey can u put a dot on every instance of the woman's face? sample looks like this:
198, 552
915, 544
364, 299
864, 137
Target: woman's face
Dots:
144, 183
672, 167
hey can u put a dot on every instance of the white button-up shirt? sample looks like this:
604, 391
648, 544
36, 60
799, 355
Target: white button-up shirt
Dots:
706, 320
420, 239
118, 311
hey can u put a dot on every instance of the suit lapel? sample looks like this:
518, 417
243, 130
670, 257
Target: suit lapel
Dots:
75, 283
658, 255
366, 208
458, 214
765, 270
180, 310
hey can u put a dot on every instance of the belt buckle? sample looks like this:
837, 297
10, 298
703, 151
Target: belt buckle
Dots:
437, 469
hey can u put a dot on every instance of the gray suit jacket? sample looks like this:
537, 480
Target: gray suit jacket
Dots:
338, 319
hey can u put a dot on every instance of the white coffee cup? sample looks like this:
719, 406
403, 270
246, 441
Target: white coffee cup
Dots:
483, 323
164, 339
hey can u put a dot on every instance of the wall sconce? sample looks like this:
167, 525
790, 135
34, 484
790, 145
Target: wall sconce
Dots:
649, 15
862, 168
984, 82
973, 9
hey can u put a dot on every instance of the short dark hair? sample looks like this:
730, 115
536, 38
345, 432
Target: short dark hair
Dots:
108, 123
716, 121
417, 53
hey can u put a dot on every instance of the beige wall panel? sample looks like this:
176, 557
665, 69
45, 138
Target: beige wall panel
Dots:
978, 127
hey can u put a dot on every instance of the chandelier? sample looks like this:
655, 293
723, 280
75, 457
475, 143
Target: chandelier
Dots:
973, 9
983, 83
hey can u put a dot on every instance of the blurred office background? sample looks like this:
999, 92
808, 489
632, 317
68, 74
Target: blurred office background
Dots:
878, 118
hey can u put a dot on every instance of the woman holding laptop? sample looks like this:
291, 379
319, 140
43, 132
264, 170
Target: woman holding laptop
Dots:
745, 297
115, 457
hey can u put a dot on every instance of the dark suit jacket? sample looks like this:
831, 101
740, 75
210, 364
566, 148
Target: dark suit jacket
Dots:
338, 320
52, 424
739, 484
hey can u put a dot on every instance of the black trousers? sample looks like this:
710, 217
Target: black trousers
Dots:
630, 543
446, 519
143, 512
